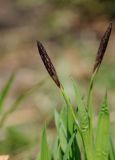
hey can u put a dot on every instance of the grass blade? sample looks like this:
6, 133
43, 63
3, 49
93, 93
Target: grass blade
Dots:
69, 105
44, 154
62, 133
59, 122
84, 124
57, 150
112, 151
82, 113
102, 134
6, 90
68, 148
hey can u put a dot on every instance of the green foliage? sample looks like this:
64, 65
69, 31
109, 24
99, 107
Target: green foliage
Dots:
102, 135
111, 150
73, 124
66, 135
45, 153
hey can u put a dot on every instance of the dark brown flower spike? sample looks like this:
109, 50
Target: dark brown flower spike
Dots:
48, 64
102, 48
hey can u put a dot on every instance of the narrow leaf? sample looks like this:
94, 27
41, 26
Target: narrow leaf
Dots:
68, 148
56, 150
102, 134
59, 122
62, 134
82, 113
111, 151
84, 124
44, 154
72, 149
63, 116
5, 91
69, 105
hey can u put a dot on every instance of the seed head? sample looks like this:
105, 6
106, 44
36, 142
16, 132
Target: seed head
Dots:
48, 64
102, 48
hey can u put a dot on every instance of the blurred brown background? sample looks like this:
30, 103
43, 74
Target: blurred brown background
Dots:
70, 31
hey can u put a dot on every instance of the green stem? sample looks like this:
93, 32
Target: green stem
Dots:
89, 99
67, 100
90, 107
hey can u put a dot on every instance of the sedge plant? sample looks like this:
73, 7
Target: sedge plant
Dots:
76, 139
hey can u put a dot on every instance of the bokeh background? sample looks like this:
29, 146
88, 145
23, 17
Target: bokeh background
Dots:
70, 31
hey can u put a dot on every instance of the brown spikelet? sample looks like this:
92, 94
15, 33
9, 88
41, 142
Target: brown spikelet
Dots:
102, 48
48, 64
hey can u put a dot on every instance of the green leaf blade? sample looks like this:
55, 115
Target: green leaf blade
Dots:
82, 113
6, 90
102, 135
45, 153
112, 150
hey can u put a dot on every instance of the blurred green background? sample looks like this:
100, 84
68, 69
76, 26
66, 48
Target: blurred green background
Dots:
70, 31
